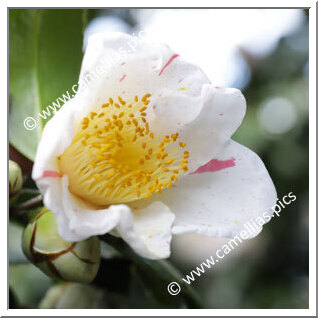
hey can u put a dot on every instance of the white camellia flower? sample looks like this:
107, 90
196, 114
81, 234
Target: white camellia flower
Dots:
144, 152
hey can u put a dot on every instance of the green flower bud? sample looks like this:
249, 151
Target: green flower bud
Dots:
15, 178
70, 261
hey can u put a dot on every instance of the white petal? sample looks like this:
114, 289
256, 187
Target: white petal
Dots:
222, 113
148, 230
118, 69
219, 203
56, 137
76, 220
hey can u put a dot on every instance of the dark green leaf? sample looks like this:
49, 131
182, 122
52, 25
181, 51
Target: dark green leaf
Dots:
45, 48
12, 300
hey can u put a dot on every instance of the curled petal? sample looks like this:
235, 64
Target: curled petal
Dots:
148, 230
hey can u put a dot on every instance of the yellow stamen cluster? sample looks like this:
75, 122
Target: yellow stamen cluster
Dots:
116, 158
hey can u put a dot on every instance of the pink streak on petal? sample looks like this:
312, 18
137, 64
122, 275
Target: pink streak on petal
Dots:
215, 165
168, 63
180, 80
123, 63
123, 77
49, 174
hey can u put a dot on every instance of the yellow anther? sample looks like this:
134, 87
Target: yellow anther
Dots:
168, 162
174, 136
93, 114
143, 114
141, 161
136, 98
121, 114
146, 97
105, 105
131, 115
143, 108
182, 144
144, 145
111, 101
117, 105
184, 167
121, 100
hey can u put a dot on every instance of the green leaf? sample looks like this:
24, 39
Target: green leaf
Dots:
16, 255
28, 284
45, 53
156, 275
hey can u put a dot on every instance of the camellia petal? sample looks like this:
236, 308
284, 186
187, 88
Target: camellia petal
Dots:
148, 230
148, 68
222, 196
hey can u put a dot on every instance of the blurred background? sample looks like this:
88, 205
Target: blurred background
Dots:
264, 53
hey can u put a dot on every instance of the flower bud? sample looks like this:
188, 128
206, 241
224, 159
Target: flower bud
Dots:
15, 178
70, 261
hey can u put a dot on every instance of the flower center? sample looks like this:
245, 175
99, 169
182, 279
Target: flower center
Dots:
115, 158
